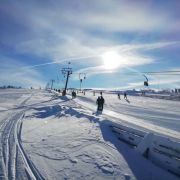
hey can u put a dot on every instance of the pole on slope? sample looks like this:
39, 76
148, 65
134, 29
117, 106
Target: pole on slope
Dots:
66, 72
52, 82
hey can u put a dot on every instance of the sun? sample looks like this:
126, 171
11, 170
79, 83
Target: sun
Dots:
111, 60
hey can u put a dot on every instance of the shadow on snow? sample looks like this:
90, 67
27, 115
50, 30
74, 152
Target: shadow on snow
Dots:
132, 157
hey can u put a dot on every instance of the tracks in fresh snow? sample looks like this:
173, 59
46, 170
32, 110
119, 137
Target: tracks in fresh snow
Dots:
14, 162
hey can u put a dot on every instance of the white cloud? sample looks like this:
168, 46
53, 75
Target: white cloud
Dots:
11, 73
66, 30
61, 30
127, 60
92, 71
163, 80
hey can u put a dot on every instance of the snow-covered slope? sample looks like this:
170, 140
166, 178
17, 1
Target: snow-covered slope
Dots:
62, 138
152, 115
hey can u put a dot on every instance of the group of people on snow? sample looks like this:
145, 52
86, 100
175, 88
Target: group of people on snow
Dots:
100, 100
125, 95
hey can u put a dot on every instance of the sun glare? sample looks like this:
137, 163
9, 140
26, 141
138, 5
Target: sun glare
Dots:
111, 60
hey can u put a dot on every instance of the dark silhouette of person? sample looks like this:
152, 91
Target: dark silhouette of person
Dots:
63, 92
119, 97
125, 95
73, 94
100, 103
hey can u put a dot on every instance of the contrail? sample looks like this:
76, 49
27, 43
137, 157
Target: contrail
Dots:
23, 69
58, 62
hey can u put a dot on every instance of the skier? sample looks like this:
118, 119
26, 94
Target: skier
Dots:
100, 103
119, 97
72, 94
125, 95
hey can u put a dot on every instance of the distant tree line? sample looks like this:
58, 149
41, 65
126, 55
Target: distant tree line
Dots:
10, 87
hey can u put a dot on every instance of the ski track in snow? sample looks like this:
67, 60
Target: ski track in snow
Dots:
14, 162
52, 137
70, 142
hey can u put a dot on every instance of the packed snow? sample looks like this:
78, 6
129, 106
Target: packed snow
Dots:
153, 115
48, 136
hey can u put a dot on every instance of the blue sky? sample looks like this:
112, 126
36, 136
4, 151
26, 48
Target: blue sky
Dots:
112, 41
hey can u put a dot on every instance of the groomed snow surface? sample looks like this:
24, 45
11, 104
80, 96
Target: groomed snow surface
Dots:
46, 136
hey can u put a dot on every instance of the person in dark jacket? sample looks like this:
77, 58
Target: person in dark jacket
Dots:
100, 103
125, 95
73, 94
119, 97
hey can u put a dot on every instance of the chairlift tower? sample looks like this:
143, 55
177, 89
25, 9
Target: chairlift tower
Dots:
47, 86
66, 72
52, 82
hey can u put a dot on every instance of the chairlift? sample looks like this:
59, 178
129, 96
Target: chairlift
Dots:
146, 82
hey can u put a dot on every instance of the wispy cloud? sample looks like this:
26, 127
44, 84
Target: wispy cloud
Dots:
11, 74
92, 71
128, 53
62, 29
76, 31
125, 62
